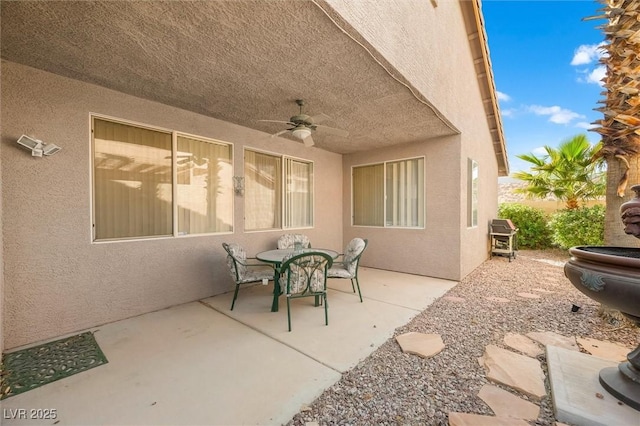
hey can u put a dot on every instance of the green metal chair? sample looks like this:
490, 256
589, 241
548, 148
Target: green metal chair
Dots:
348, 267
287, 241
242, 271
305, 275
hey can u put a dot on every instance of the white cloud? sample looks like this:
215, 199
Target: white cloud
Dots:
539, 151
503, 96
510, 112
585, 125
587, 53
556, 114
597, 75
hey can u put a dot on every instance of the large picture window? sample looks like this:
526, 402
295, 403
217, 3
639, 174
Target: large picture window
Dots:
134, 192
389, 194
278, 192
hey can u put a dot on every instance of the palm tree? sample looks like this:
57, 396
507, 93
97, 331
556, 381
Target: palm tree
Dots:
620, 127
568, 172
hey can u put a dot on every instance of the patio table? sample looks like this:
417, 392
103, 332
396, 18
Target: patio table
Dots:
276, 257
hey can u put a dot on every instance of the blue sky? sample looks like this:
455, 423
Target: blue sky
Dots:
546, 70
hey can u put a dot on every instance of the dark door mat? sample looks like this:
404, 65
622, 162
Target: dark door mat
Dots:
33, 367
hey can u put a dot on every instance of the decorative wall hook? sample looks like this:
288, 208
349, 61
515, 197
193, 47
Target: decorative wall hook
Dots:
238, 185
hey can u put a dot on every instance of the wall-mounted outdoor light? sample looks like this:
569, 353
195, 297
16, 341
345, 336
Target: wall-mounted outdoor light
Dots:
37, 147
238, 185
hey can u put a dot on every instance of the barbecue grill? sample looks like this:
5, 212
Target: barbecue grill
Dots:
503, 238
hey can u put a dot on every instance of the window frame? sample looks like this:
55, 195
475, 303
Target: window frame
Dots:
384, 198
473, 193
283, 189
174, 178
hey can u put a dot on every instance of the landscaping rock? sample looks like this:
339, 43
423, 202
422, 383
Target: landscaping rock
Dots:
464, 419
424, 345
523, 344
554, 339
505, 404
529, 295
603, 349
517, 371
498, 299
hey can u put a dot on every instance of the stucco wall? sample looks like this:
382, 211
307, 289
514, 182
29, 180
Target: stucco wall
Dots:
1, 251
432, 251
56, 280
439, 64
441, 67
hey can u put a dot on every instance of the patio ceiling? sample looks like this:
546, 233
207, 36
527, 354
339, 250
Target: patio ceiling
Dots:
238, 61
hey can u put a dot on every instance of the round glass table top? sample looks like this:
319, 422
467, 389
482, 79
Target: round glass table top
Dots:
276, 256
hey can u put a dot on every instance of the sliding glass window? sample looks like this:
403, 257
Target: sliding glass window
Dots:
389, 194
277, 196
134, 192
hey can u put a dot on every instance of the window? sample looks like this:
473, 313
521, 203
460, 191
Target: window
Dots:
263, 188
472, 193
265, 181
389, 194
368, 195
298, 201
205, 200
134, 193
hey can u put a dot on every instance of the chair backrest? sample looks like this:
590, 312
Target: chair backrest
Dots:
288, 241
236, 257
305, 273
353, 252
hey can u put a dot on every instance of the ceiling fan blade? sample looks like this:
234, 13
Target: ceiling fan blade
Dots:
278, 121
319, 118
333, 131
308, 141
279, 133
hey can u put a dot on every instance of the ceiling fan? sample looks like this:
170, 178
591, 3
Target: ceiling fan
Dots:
302, 125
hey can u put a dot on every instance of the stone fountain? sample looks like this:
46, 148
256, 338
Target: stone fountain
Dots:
611, 276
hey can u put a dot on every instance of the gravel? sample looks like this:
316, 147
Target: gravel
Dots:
390, 387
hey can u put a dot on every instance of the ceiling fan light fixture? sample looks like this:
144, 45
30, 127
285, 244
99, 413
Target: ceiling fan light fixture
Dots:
301, 132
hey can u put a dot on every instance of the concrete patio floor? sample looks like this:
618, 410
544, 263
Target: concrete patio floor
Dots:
202, 364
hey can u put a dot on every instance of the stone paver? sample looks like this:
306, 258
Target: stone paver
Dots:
498, 299
604, 349
464, 419
554, 339
511, 369
529, 295
505, 404
523, 344
424, 345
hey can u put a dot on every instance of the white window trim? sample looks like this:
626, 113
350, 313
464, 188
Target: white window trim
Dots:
174, 175
384, 164
470, 204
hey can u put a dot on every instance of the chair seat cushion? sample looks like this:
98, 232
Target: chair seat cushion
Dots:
339, 271
254, 274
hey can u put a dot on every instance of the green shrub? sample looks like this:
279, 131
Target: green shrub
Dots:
533, 232
582, 226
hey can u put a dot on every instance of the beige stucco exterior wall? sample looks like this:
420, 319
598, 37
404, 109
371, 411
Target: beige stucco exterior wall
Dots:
56, 280
1, 251
441, 67
434, 250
